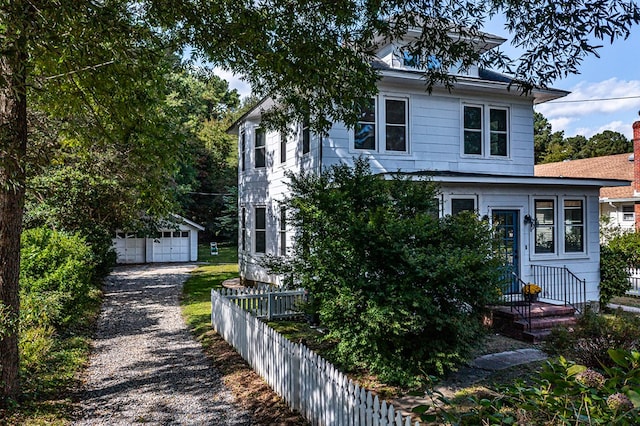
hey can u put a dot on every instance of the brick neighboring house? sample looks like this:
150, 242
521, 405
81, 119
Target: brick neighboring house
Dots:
621, 204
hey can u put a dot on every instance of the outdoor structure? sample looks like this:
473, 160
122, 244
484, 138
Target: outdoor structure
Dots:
177, 241
621, 204
476, 141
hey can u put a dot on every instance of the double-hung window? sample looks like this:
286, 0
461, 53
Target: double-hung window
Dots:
573, 226
283, 231
628, 213
565, 223
243, 149
260, 148
545, 226
306, 137
243, 228
365, 130
260, 230
383, 126
485, 131
283, 147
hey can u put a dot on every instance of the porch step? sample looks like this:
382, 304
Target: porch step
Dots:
544, 317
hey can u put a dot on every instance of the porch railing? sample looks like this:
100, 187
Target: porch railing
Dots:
560, 284
517, 303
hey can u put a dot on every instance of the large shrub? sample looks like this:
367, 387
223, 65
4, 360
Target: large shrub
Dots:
566, 393
621, 252
590, 340
57, 272
401, 291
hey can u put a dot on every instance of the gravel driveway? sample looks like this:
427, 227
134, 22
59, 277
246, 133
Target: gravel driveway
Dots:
146, 367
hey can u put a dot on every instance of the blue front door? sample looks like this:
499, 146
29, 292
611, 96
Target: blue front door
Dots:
506, 227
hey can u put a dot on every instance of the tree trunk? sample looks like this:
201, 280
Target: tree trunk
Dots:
13, 143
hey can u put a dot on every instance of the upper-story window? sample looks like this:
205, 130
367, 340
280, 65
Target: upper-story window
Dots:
306, 137
485, 131
283, 147
406, 58
365, 130
243, 149
260, 148
383, 126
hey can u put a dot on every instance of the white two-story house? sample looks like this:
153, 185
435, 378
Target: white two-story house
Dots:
476, 141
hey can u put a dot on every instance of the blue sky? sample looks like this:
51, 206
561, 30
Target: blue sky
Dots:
616, 74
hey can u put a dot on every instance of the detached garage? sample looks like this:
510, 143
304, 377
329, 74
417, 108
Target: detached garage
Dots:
177, 243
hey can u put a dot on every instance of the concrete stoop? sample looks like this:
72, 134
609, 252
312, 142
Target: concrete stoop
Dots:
544, 317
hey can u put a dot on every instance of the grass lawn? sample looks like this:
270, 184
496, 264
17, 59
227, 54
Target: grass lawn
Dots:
627, 301
226, 254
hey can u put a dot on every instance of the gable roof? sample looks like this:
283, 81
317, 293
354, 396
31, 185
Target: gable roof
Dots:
617, 166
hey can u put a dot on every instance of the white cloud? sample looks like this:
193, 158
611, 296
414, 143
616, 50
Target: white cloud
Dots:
586, 99
235, 81
615, 126
560, 123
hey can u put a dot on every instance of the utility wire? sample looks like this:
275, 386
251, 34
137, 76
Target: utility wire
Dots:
594, 100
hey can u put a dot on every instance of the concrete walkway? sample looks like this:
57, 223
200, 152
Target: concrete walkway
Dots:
479, 369
624, 308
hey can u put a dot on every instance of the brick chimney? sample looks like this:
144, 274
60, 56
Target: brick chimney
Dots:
636, 170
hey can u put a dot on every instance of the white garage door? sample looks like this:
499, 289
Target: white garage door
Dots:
129, 248
172, 246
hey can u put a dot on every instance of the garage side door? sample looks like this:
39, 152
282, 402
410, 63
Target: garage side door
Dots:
171, 246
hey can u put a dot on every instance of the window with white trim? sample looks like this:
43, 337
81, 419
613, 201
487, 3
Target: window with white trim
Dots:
383, 126
283, 231
306, 137
459, 205
573, 226
243, 229
565, 224
545, 226
283, 147
628, 213
485, 134
243, 148
260, 148
260, 229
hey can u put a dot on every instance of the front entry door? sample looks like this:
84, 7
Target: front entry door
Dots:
505, 223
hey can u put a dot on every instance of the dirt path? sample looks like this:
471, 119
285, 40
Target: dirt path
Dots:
146, 367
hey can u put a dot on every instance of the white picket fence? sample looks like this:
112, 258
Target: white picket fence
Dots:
634, 279
304, 380
266, 301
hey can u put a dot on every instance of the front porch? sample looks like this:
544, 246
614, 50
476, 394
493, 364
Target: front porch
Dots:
531, 317
543, 317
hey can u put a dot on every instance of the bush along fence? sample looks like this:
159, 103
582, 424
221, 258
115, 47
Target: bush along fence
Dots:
304, 380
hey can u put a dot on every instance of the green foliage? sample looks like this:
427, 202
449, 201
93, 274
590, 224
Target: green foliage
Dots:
56, 277
551, 147
621, 252
566, 393
614, 275
589, 341
400, 290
